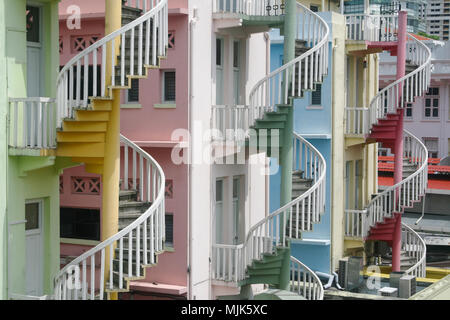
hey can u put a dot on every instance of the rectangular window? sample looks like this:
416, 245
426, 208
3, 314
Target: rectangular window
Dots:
133, 92
219, 52
449, 147
432, 103
219, 210
409, 110
169, 92
316, 96
169, 230
314, 8
432, 145
76, 223
32, 24
32, 212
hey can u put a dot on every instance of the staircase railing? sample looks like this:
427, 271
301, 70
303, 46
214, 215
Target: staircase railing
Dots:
413, 85
145, 238
415, 247
230, 261
274, 89
286, 222
74, 88
405, 193
146, 234
304, 281
249, 7
373, 28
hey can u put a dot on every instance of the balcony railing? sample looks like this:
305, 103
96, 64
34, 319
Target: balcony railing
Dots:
355, 223
357, 121
32, 123
228, 262
249, 7
364, 27
230, 123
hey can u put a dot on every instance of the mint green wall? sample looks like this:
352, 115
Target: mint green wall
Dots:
42, 179
37, 184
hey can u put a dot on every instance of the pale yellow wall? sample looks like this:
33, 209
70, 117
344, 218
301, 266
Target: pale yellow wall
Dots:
338, 142
362, 87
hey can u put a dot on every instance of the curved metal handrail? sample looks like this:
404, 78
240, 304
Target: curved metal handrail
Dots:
267, 92
70, 87
156, 209
394, 198
312, 288
69, 283
268, 229
418, 251
388, 100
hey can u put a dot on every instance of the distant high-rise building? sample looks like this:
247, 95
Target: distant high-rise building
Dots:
416, 10
438, 18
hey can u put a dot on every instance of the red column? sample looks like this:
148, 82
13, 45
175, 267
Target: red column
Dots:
398, 159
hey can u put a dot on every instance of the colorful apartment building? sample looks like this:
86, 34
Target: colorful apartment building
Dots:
205, 150
31, 164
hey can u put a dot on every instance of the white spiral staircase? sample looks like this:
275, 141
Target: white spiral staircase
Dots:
377, 122
109, 266
258, 260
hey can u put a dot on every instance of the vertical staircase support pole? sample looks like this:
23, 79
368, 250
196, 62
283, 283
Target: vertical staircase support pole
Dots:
111, 165
286, 155
398, 158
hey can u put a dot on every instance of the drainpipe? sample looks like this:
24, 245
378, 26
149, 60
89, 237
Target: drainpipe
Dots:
192, 23
326, 275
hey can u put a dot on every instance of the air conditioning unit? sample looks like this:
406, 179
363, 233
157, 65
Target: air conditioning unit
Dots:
350, 272
388, 292
394, 279
408, 287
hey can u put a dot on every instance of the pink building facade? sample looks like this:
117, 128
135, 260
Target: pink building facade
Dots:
150, 113
429, 116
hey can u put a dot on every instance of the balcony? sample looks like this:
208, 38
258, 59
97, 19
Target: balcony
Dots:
32, 126
357, 122
254, 13
230, 123
355, 224
371, 33
228, 264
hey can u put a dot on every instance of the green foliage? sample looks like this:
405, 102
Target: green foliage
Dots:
424, 34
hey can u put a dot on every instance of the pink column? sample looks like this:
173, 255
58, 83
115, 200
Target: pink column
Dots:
398, 159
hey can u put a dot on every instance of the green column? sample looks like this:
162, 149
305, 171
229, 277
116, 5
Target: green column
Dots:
286, 152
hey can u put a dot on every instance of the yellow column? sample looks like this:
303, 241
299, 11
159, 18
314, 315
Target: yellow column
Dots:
111, 166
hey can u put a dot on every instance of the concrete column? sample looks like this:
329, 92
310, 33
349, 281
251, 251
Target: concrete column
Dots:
111, 164
286, 152
398, 158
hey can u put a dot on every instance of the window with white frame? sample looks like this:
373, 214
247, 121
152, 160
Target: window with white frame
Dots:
133, 92
316, 96
169, 230
432, 104
432, 145
169, 86
409, 110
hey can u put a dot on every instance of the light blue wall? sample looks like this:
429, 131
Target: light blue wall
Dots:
316, 126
